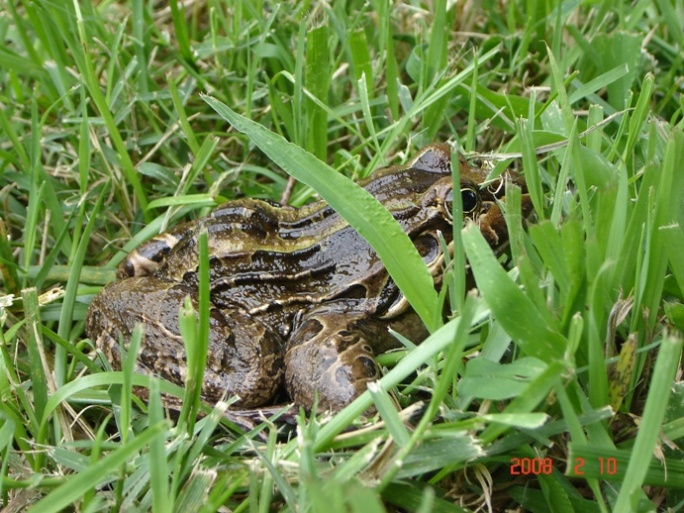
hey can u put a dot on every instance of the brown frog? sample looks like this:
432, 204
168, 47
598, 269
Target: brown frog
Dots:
299, 299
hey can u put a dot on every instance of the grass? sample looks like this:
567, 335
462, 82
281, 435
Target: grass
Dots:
557, 387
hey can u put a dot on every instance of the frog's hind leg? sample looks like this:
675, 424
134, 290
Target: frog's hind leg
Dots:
330, 354
244, 357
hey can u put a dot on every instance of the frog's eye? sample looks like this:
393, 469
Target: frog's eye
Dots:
469, 200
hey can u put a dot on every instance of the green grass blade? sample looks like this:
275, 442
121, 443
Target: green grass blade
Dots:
36, 353
388, 412
128, 364
598, 83
317, 80
159, 466
66, 314
181, 30
77, 485
511, 307
358, 46
664, 372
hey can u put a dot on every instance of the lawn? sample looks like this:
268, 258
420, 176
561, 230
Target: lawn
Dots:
556, 385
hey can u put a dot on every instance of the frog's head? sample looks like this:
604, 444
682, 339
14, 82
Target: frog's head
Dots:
482, 199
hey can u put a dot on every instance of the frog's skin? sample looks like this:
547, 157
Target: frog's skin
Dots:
299, 299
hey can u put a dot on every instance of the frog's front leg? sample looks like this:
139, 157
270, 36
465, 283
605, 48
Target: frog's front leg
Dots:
330, 353
244, 358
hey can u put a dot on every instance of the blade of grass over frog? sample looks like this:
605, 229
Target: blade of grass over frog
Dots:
457, 275
129, 360
647, 436
511, 307
187, 325
532, 176
363, 212
78, 484
159, 465
195, 332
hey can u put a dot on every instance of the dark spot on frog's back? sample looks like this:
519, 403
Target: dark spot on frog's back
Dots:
346, 340
364, 366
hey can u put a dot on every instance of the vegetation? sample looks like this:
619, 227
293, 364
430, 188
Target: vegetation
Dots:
557, 387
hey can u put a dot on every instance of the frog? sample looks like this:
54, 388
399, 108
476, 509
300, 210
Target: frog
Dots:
300, 303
